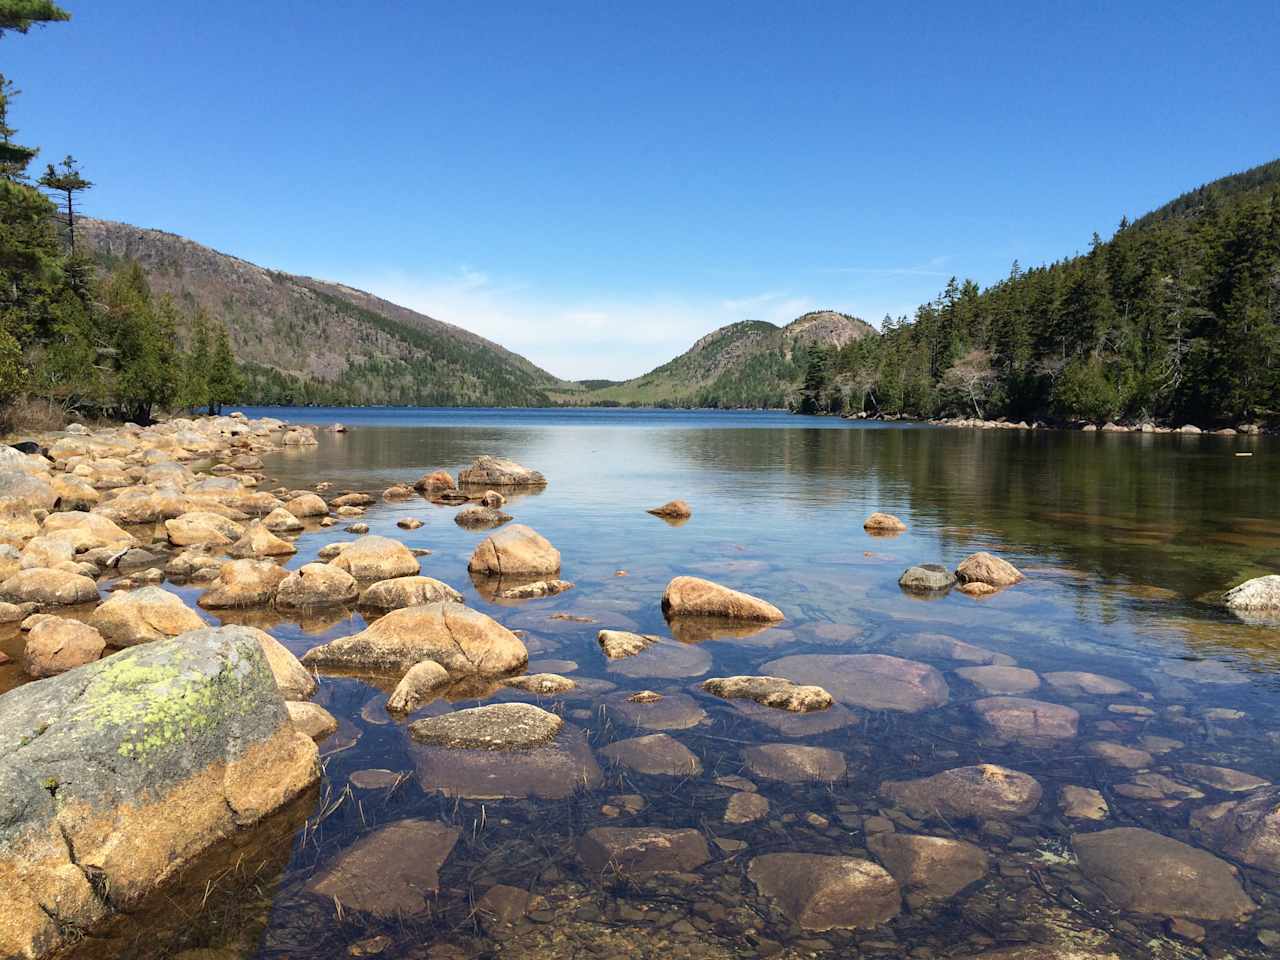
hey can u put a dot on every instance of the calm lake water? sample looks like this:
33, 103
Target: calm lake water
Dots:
1121, 538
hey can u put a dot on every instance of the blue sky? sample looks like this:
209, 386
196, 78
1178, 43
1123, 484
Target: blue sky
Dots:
597, 185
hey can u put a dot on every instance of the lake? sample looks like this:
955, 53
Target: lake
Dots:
1123, 539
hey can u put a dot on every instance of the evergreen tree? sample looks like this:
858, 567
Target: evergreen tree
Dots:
66, 181
225, 381
22, 15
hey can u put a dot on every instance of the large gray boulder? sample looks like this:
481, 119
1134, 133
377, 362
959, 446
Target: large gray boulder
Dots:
500, 472
116, 775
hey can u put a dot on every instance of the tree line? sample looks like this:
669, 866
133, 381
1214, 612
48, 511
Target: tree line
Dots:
1175, 318
95, 346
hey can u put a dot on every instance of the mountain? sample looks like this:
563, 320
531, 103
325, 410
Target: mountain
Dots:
305, 340
1254, 182
751, 363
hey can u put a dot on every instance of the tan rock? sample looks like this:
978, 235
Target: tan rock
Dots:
49, 588
316, 585
515, 551
202, 527
982, 792
402, 592
258, 542
312, 719
1082, 803
376, 558
1031, 721
672, 510
545, 684
500, 472
481, 518
292, 678
494, 726
989, 569
882, 524
929, 868
695, 597
56, 645
534, 590
142, 616
744, 807
773, 692
435, 482
390, 872
826, 893
617, 644
307, 505
418, 686
85, 531
244, 583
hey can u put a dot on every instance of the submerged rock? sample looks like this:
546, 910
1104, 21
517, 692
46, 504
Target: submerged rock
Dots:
206, 748
695, 597
870, 680
1079, 683
515, 551
652, 711
131, 617
495, 726
402, 592
1031, 721
391, 871
1247, 830
1223, 778
1150, 873
929, 868
551, 771
1001, 680
773, 692
1082, 803
927, 578
939, 646
792, 763
376, 558
418, 686
642, 850
618, 643
500, 472
655, 755
981, 792
989, 569
827, 893
665, 660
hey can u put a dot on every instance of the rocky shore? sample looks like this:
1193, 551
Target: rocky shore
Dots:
1108, 426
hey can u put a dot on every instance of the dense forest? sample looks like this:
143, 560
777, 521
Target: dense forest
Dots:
1175, 318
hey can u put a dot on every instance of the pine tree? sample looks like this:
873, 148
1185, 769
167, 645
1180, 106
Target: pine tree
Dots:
225, 382
22, 15
65, 181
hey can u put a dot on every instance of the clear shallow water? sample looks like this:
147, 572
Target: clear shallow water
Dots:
1118, 536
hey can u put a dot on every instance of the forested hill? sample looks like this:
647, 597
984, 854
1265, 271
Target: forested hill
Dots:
301, 340
1176, 318
751, 363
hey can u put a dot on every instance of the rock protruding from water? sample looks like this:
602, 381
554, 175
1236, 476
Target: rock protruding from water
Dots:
655, 755
437, 481
244, 583
515, 551
200, 744
258, 541
776, 692
481, 518
792, 763
989, 569
1247, 830
1150, 873
495, 726
391, 871
927, 578
638, 851
617, 644
376, 558
418, 686
463, 641
981, 792
316, 585
1261, 594
49, 588
827, 893
695, 597
672, 510
401, 592
870, 680
929, 868
130, 617
56, 645
883, 525
1027, 720
500, 472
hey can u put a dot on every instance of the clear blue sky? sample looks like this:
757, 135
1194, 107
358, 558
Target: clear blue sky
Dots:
597, 184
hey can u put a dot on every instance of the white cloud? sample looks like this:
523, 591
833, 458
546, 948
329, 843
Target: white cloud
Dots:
577, 338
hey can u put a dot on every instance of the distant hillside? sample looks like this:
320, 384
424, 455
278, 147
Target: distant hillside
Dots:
1253, 182
746, 364
307, 340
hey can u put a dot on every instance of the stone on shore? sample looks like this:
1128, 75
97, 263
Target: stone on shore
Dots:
981, 792
927, 578
56, 645
776, 692
130, 617
883, 524
204, 748
989, 569
48, 587
1149, 873
391, 872
656, 754
821, 893
791, 763
494, 726
637, 851
244, 583
500, 472
316, 585
1027, 720
515, 551
672, 510
929, 868
695, 597
401, 592
869, 680
463, 641
376, 558
417, 686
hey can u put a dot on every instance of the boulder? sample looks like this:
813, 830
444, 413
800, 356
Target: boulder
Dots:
499, 472
316, 585
390, 872
244, 583
353, 500
1149, 873
989, 569
417, 686
307, 505
1256, 595
826, 893
1030, 721
636, 851
927, 578
85, 531
695, 597
869, 680
131, 617
1247, 830
883, 524
49, 588
481, 518
770, 692
402, 592
672, 510
56, 645
791, 763
515, 551
202, 527
258, 541
982, 792
463, 641
292, 678
434, 482
929, 868
202, 746
494, 726
376, 558
656, 754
